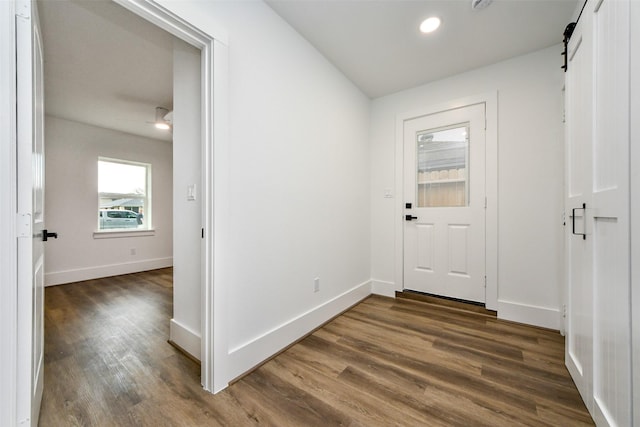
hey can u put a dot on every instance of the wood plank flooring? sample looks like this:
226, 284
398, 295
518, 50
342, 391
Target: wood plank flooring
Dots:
384, 362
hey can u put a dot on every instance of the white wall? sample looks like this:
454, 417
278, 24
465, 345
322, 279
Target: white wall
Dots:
530, 179
298, 183
71, 203
185, 324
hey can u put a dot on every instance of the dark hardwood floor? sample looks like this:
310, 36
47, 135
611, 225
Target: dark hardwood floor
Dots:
384, 362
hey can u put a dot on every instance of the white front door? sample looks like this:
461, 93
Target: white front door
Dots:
444, 189
31, 233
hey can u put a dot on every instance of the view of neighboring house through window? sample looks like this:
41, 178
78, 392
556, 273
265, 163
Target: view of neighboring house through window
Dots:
124, 191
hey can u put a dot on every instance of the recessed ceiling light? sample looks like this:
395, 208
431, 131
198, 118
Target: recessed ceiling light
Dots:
430, 24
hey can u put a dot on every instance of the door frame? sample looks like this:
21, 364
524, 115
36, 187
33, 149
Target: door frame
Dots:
490, 99
214, 87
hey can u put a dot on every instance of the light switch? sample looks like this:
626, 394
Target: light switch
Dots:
191, 192
388, 193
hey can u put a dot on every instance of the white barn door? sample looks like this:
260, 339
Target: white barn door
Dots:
598, 348
610, 216
579, 334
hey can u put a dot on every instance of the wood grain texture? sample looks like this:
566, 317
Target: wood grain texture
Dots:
384, 362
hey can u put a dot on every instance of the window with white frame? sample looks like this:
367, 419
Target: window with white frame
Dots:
124, 193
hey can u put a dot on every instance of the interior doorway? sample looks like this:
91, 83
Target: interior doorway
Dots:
182, 191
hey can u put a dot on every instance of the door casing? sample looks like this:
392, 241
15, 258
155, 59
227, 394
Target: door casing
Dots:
490, 100
214, 61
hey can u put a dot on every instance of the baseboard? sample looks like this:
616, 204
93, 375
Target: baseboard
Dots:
185, 338
386, 289
81, 274
247, 356
531, 315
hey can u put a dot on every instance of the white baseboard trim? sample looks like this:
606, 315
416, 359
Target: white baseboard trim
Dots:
246, 356
386, 289
531, 315
185, 338
88, 273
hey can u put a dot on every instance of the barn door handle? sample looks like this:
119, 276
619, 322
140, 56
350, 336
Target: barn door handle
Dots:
46, 235
409, 217
573, 221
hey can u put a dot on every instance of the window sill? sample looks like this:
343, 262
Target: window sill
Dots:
115, 234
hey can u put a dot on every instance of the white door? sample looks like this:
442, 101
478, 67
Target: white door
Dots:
30, 136
444, 188
598, 348
610, 217
579, 335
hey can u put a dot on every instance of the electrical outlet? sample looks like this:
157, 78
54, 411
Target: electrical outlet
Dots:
316, 284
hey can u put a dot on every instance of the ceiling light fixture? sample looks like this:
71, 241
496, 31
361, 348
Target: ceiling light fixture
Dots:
161, 119
430, 24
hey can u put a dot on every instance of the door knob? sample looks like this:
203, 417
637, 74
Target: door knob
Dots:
46, 235
409, 217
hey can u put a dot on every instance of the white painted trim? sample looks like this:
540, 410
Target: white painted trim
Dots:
185, 338
214, 60
116, 234
8, 188
256, 351
216, 217
634, 190
544, 317
386, 289
88, 273
490, 100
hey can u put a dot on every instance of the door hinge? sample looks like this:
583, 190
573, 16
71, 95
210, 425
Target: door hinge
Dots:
485, 203
23, 225
203, 233
23, 9
485, 282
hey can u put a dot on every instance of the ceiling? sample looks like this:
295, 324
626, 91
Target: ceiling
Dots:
378, 46
107, 67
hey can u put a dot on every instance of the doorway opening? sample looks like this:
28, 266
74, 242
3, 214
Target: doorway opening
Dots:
190, 164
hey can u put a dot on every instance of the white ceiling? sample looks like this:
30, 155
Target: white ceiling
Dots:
378, 46
105, 66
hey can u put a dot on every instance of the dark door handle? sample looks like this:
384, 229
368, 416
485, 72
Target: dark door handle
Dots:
409, 217
573, 221
46, 235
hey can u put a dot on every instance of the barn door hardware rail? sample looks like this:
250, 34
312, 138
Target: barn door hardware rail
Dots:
566, 36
